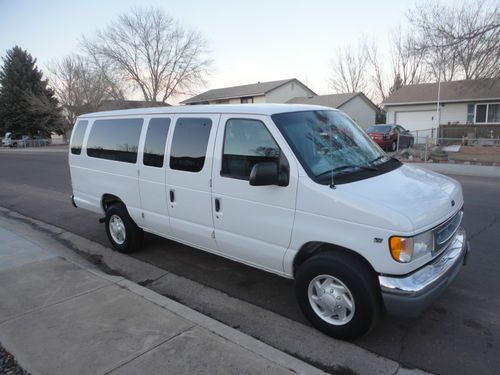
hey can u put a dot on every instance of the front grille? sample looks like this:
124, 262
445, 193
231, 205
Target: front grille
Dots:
443, 233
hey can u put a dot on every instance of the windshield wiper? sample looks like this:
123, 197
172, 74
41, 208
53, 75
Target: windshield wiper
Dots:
348, 166
378, 158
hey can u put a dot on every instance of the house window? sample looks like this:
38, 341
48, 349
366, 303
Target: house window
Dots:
487, 113
470, 113
481, 113
248, 99
494, 112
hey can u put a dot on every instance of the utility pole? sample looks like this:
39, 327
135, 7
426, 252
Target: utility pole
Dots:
438, 110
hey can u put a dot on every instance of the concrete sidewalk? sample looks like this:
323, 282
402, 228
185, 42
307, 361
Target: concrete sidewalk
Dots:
61, 315
461, 169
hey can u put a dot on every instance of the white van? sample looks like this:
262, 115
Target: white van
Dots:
297, 190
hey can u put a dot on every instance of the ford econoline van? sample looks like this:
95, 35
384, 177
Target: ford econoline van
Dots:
297, 190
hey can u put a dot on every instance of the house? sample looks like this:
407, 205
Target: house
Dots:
466, 108
356, 105
260, 92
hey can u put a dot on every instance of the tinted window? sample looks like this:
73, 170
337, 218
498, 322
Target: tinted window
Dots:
189, 144
156, 137
246, 142
78, 134
116, 139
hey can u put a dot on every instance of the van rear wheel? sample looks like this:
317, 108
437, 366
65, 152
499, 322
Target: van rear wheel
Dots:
338, 295
122, 231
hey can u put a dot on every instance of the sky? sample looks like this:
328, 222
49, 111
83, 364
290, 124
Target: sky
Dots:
249, 41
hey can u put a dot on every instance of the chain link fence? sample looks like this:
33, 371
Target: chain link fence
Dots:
427, 146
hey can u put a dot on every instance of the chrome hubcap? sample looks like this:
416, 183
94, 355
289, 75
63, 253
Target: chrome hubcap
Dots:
331, 300
117, 229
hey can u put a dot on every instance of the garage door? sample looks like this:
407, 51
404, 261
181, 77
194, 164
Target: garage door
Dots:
416, 120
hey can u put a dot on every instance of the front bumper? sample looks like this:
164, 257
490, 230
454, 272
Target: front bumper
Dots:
409, 295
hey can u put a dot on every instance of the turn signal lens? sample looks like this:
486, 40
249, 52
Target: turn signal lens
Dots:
401, 248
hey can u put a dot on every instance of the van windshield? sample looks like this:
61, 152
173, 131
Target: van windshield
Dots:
329, 144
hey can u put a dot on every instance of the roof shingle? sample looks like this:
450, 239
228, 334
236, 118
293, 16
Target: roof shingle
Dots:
253, 89
453, 91
334, 100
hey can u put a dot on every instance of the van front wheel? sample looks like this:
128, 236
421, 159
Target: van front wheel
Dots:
122, 231
337, 295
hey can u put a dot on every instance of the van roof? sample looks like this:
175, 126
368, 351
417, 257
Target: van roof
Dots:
250, 109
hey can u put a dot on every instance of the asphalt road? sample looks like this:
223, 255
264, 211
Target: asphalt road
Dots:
458, 334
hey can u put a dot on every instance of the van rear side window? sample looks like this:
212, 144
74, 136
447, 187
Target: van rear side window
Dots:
116, 139
156, 137
189, 144
78, 134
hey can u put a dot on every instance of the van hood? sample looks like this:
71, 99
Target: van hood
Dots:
426, 198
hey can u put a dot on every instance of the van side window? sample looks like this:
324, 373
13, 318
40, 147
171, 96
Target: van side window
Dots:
189, 144
246, 142
156, 137
78, 134
115, 139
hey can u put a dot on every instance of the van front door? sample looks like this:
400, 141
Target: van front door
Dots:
152, 166
253, 224
188, 177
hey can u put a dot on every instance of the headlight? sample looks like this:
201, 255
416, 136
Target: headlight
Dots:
406, 249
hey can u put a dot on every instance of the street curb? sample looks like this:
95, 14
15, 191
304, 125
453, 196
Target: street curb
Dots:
231, 334
30, 150
239, 338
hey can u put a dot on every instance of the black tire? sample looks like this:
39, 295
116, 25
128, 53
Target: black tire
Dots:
360, 281
132, 233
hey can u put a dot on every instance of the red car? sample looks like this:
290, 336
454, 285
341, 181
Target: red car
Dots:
386, 136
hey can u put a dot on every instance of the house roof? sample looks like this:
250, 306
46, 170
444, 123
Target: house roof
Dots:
453, 91
333, 100
259, 88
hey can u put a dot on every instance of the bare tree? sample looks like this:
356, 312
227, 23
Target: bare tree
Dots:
378, 76
461, 40
406, 67
81, 85
152, 51
408, 62
349, 72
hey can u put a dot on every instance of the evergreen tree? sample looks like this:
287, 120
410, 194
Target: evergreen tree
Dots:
27, 105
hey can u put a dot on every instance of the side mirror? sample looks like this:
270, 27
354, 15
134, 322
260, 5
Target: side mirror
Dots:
407, 132
264, 174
